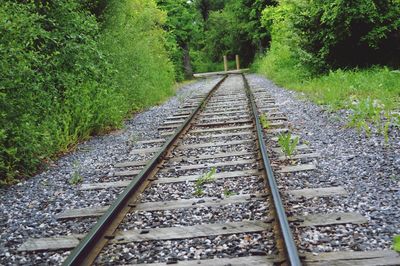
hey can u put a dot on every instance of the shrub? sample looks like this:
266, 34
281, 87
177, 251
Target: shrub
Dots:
67, 74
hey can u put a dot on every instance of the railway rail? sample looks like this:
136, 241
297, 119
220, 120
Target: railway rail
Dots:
208, 191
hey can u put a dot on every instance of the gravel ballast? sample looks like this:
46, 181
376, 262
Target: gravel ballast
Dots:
28, 209
367, 168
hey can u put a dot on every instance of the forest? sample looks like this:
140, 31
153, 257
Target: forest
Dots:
72, 69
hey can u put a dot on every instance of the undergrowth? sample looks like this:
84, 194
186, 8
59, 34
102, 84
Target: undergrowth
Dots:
67, 74
372, 95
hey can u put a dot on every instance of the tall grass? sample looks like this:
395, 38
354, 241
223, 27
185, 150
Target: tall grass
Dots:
373, 94
338, 89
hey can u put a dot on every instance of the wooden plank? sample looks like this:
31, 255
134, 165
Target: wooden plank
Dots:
145, 150
211, 156
182, 113
223, 113
214, 144
164, 205
300, 156
172, 126
208, 165
216, 129
194, 231
130, 164
167, 180
169, 233
297, 168
309, 193
167, 133
222, 123
150, 141
174, 122
221, 175
239, 261
223, 99
82, 213
104, 185
127, 173
298, 148
50, 243
274, 118
218, 118
227, 103
325, 219
277, 125
206, 74
277, 138
177, 117
371, 257
277, 130
242, 109
223, 135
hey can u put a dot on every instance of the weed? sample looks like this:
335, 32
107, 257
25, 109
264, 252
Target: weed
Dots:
207, 177
76, 176
198, 192
204, 179
396, 243
133, 138
287, 143
264, 122
228, 193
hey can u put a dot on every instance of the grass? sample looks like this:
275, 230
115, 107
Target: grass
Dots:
372, 94
288, 144
264, 122
206, 178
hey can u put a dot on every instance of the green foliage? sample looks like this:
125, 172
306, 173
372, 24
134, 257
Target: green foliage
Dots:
310, 39
287, 143
66, 76
326, 35
182, 28
264, 122
208, 177
236, 29
396, 243
134, 42
228, 193
76, 176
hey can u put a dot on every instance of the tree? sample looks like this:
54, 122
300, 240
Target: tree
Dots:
182, 23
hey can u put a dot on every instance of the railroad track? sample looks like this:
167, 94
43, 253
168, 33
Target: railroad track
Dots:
204, 190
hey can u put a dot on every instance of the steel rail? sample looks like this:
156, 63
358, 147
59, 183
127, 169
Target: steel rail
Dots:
285, 231
79, 255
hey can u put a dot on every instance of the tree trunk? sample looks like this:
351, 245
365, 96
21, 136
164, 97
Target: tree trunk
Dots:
186, 62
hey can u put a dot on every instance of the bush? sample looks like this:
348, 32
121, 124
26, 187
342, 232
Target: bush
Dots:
63, 79
338, 33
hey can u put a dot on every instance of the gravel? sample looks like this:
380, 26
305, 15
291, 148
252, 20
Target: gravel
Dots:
28, 209
367, 168
197, 248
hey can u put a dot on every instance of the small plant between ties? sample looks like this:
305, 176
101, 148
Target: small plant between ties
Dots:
206, 178
288, 144
76, 176
264, 122
228, 193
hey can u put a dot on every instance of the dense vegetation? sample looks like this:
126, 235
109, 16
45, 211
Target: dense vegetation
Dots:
340, 53
69, 69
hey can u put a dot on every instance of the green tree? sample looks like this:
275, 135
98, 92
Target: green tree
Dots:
182, 24
334, 34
